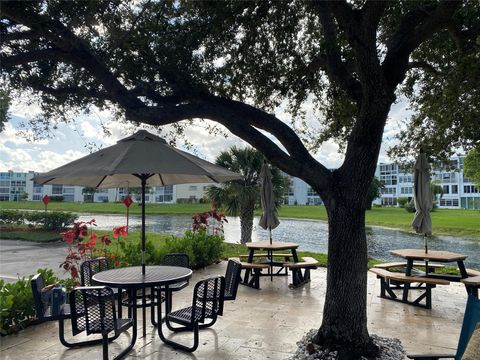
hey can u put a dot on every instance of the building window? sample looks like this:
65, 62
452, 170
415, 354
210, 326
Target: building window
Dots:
389, 201
454, 189
449, 202
192, 188
446, 189
36, 197
68, 198
69, 190
469, 189
57, 189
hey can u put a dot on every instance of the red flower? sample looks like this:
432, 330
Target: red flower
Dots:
122, 230
105, 240
69, 236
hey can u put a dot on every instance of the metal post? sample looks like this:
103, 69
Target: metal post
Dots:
144, 183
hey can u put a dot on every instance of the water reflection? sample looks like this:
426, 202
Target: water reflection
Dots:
311, 235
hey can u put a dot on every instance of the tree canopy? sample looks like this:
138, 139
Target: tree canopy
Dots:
333, 67
472, 166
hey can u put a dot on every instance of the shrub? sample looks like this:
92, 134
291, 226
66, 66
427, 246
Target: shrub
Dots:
17, 307
201, 248
410, 207
402, 201
56, 198
54, 220
11, 217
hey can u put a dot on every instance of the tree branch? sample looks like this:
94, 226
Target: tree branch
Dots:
19, 35
61, 92
332, 62
76, 51
31, 56
415, 27
244, 121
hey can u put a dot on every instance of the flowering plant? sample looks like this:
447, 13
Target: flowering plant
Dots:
82, 245
201, 221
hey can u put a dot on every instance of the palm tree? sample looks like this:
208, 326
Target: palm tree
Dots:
241, 197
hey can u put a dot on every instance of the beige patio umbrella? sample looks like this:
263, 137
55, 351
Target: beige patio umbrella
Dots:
268, 219
142, 159
422, 222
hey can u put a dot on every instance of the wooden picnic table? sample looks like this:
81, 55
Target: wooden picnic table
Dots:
437, 256
270, 248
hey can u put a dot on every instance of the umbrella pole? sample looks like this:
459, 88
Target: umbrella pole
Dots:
144, 182
270, 234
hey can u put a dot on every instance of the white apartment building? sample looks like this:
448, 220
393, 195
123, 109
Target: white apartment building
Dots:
300, 193
15, 186
458, 191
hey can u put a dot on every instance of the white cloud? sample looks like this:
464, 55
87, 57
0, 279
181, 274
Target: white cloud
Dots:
49, 160
10, 134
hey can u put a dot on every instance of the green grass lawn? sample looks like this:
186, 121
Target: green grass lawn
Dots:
464, 223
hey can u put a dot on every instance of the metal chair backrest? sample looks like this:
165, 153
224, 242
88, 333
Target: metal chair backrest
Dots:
176, 259
41, 308
232, 279
90, 267
208, 297
93, 310
470, 320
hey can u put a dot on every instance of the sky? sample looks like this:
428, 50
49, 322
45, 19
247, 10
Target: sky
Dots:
69, 141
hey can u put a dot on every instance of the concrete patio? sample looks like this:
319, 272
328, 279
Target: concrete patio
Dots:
265, 324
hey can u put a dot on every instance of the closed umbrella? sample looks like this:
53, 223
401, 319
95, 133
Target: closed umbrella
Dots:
144, 159
422, 222
269, 219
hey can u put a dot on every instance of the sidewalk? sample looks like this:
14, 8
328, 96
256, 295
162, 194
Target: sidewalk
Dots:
266, 324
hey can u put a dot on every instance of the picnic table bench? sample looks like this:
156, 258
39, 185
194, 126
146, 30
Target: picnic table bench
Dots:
253, 269
299, 278
472, 282
390, 281
403, 264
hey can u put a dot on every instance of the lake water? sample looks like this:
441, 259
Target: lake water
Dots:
311, 235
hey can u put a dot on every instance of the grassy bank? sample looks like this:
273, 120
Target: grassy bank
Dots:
463, 223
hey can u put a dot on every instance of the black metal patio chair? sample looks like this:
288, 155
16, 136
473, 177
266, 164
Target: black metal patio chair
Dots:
90, 267
43, 312
174, 259
208, 298
93, 311
232, 279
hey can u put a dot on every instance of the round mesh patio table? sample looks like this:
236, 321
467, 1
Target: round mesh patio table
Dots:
131, 279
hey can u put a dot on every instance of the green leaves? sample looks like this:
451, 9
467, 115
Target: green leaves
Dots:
472, 166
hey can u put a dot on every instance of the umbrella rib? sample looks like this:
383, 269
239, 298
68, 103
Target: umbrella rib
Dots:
211, 178
101, 181
161, 179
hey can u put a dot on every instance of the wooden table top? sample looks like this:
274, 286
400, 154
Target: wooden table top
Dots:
265, 245
434, 255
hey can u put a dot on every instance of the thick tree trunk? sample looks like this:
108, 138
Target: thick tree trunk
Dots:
246, 224
344, 325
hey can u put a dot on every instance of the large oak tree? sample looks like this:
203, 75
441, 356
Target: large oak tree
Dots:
160, 62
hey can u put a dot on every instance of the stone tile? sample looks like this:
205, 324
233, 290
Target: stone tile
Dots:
264, 324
